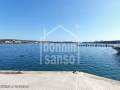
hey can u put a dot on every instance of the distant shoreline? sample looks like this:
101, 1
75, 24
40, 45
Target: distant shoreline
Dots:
16, 41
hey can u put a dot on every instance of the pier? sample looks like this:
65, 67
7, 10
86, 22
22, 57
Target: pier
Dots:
94, 45
54, 80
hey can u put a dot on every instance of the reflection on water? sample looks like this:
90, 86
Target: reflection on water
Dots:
117, 58
96, 60
118, 53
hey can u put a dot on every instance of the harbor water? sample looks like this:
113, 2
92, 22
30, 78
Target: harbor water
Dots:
101, 61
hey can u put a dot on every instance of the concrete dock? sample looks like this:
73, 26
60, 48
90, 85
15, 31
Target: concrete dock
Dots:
50, 80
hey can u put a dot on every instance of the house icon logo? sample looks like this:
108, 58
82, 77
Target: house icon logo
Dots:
47, 34
59, 51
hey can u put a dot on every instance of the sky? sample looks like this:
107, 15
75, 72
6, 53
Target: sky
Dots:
88, 20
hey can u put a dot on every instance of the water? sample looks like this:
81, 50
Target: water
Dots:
100, 61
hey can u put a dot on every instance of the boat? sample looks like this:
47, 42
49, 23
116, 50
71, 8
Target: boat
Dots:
117, 48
